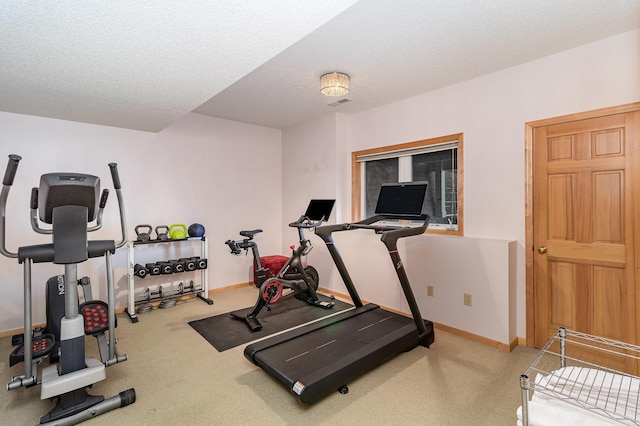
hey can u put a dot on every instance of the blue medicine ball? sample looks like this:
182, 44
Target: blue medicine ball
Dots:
196, 230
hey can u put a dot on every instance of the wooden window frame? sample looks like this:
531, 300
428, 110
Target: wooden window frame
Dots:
356, 173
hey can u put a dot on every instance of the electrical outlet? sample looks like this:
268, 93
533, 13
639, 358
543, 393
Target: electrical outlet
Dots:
467, 299
430, 290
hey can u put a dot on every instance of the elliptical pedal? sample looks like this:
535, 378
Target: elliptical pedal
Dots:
41, 347
96, 318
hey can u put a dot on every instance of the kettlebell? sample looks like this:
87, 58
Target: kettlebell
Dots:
178, 231
143, 237
162, 231
196, 230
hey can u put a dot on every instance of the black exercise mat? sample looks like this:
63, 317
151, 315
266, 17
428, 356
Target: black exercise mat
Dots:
225, 332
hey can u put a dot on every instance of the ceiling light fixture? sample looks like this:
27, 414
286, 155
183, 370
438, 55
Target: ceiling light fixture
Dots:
334, 84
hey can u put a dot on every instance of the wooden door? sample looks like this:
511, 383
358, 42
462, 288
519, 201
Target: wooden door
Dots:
583, 258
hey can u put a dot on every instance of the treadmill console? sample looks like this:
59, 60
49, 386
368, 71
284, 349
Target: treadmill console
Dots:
401, 199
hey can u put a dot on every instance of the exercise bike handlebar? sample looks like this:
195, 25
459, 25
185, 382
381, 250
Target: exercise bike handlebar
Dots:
306, 223
233, 245
237, 246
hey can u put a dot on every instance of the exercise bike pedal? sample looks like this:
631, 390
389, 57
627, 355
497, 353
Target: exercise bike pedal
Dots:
41, 347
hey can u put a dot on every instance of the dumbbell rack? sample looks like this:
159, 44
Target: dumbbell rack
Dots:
201, 291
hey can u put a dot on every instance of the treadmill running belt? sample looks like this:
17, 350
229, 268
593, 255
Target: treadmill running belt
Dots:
340, 351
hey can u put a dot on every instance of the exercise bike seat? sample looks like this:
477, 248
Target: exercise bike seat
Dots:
42, 346
250, 234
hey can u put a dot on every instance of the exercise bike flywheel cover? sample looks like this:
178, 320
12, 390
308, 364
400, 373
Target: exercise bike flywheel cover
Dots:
268, 288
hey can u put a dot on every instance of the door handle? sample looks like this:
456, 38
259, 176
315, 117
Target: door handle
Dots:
542, 249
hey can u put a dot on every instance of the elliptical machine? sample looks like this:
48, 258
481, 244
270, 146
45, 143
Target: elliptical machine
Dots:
69, 202
295, 274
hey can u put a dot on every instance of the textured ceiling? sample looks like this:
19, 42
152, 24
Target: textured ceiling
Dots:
143, 65
140, 64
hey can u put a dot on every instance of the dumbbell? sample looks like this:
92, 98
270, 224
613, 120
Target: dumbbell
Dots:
166, 267
190, 287
200, 262
178, 265
154, 268
189, 263
140, 270
148, 294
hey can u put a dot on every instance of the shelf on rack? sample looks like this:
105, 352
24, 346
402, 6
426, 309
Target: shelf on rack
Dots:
577, 377
202, 292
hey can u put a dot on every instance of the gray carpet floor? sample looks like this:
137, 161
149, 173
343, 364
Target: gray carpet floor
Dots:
180, 379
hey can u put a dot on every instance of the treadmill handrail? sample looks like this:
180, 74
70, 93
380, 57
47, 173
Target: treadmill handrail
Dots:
389, 232
390, 236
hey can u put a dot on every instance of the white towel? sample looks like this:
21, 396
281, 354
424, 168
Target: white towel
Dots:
614, 393
608, 392
545, 412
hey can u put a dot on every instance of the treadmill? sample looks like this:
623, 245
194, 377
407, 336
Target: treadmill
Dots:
322, 357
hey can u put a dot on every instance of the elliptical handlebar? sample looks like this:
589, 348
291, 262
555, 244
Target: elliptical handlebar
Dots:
101, 205
12, 167
7, 182
115, 177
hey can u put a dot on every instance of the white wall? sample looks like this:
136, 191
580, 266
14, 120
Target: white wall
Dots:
491, 111
454, 266
223, 174
231, 176
309, 166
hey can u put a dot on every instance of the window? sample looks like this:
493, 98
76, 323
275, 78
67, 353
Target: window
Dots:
437, 161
